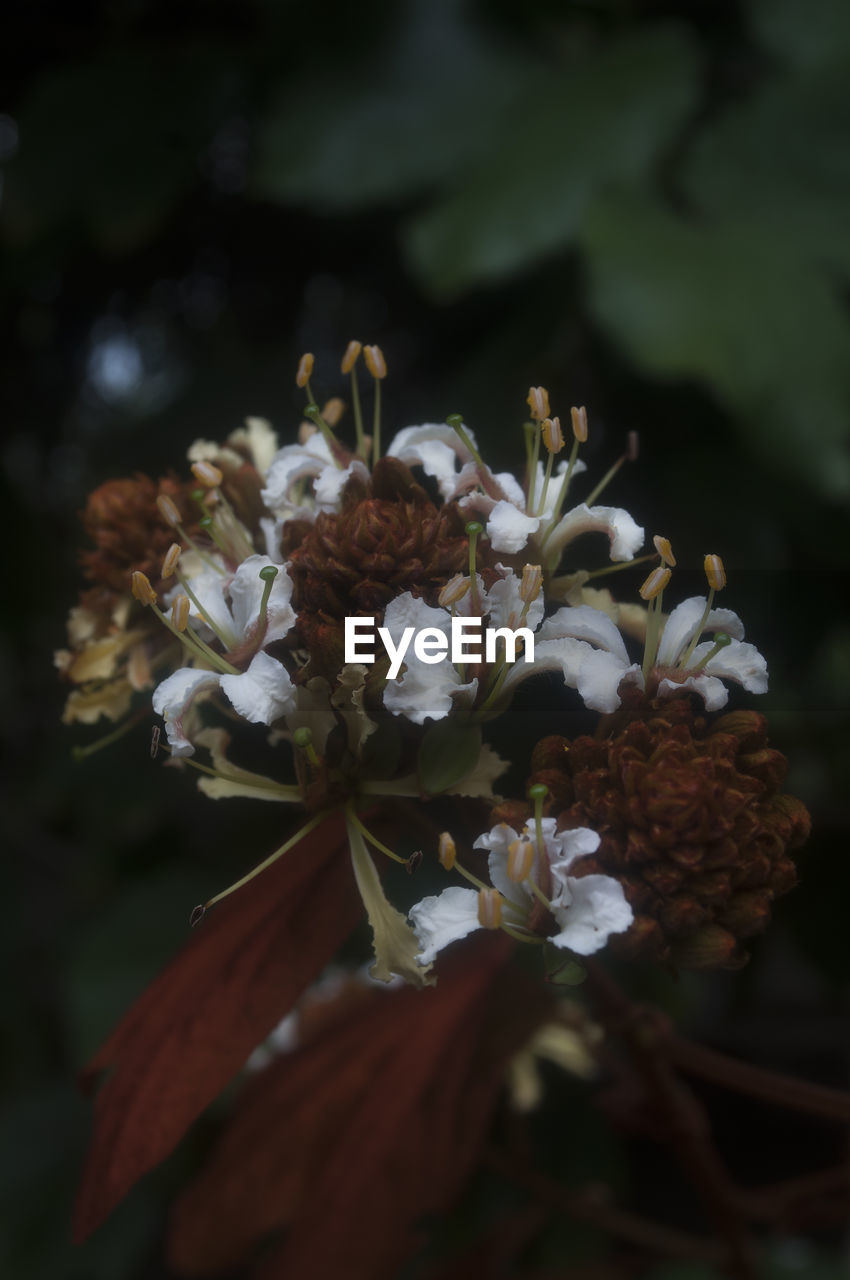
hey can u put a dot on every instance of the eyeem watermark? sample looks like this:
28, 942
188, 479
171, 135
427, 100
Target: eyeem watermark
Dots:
432, 645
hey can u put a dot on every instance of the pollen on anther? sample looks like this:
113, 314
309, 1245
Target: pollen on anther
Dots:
207, 474
578, 417
141, 587
349, 360
715, 572
530, 583
305, 368
333, 410
538, 403
168, 509
489, 908
180, 613
662, 546
447, 851
655, 583
375, 362
520, 860
553, 436
454, 590
169, 563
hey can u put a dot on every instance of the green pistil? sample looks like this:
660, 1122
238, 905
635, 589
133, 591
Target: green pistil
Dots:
455, 421
314, 413
474, 531
303, 739
721, 640
268, 575
537, 794
207, 523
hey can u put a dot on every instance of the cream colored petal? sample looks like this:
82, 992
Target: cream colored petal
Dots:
396, 945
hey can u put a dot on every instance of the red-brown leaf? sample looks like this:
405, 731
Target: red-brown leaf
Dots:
194, 1027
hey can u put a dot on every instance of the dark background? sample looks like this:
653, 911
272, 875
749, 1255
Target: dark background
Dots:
643, 206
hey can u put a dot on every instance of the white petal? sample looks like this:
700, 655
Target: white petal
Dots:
508, 528
737, 661
408, 610
246, 593
173, 698
498, 841
512, 489
583, 622
625, 535
425, 691
263, 693
597, 908
504, 603
294, 462
712, 691
437, 921
437, 448
571, 845
210, 589
681, 626
396, 946
272, 530
595, 673
260, 439
332, 480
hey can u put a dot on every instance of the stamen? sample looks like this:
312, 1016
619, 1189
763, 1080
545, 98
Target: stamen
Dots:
553, 436
414, 862
655, 583
303, 739
263, 866
538, 403
141, 587
578, 417
172, 556
78, 754
489, 908
168, 510
632, 446
305, 369
208, 524
208, 475
373, 840
630, 455
352, 352
349, 361
715, 572
520, 859
333, 410
155, 736
447, 851
531, 583
226, 640
454, 590
375, 362
662, 546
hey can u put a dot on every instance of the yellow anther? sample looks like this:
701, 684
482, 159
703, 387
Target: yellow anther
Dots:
305, 431
375, 362
530, 583
207, 474
454, 590
352, 352
489, 908
172, 556
520, 859
553, 436
447, 851
715, 572
632, 446
655, 583
662, 546
180, 612
168, 509
578, 417
538, 403
141, 588
333, 411
305, 368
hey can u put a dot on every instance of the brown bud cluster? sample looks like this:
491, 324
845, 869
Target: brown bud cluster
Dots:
692, 820
387, 538
125, 524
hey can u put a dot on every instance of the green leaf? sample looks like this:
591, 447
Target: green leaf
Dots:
412, 116
726, 304
807, 33
447, 753
606, 118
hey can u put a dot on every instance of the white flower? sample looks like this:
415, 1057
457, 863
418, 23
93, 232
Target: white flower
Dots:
230, 606
310, 461
587, 909
262, 694
736, 661
425, 689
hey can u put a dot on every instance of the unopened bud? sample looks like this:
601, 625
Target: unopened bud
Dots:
169, 563
207, 474
375, 362
333, 411
662, 546
349, 360
168, 509
715, 572
180, 613
578, 417
520, 859
447, 851
538, 403
489, 908
141, 588
454, 590
305, 368
655, 583
530, 582
553, 436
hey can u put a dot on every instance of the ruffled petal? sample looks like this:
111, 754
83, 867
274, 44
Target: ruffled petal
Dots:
597, 908
583, 622
680, 628
210, 589
294, 462
246, 594
442, 919
508, 528
570, 845
172, 700
263, 693
504, 604
435, 447
595, 673
737, 661
712, 691
626, 537
332, 480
